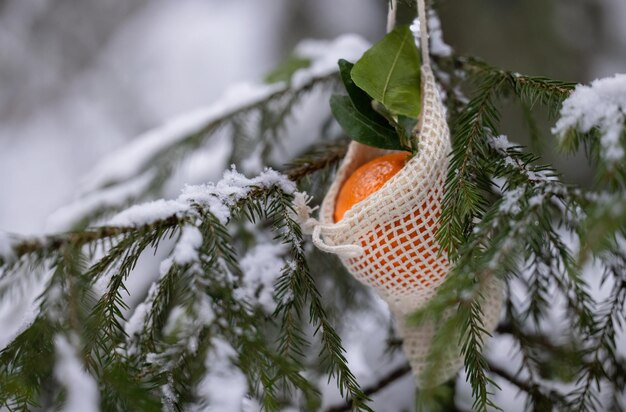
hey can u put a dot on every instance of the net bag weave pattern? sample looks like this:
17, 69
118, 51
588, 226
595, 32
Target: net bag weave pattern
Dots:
395, 228
388, 240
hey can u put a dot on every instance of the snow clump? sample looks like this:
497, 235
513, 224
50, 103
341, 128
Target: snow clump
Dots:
186, 250
224, 387
324, 56
601, 105
82, 389
438, 47
261, 266
217, 198
511, 201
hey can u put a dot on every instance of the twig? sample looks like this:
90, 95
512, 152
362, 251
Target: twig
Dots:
76, 239
529, 387
475, 65
537, 339
317, 159
522, 385
393, 376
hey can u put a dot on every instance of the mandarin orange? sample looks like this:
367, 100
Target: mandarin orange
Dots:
367, 179
402, 241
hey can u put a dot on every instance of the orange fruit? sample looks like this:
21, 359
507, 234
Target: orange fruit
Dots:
397, 245
367, 179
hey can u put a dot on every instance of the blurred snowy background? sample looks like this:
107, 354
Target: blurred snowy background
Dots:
78, 79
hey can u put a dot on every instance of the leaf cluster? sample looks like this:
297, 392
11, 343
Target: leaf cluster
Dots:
383, 101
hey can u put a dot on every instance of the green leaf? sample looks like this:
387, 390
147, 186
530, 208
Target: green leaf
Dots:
390, 72
402, 125
286, 69
374, 110
361, 100
361, 128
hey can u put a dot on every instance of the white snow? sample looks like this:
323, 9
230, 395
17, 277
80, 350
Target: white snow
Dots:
64, 218
82, 389
20, 308
175, 319
186, 250
224, 387
601, 105
536, 200
204, 313
134, 325
511, 200
501, 143
148, 213
542, 175
261, 267
252, 405
130, 160
136, 322
416, 30
219, 197
6, 246
438, 47
324, 56
183, 326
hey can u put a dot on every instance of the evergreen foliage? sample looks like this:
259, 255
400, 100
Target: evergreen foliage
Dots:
505, 216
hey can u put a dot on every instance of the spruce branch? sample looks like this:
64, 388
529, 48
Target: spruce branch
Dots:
295, 285
47, 244
531, 198
318, 158
169, 155
104, 328
532, 350
476, 121
530, 89
603, 352
467, 182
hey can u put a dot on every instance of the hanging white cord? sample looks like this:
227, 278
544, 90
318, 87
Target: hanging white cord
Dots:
421, 8
312, 226
391, 15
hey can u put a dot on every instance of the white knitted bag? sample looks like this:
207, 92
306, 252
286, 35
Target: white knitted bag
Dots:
388, 240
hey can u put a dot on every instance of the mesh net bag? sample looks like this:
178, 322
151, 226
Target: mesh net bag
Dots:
388, 240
